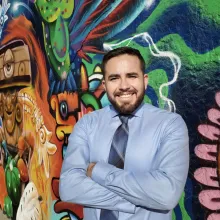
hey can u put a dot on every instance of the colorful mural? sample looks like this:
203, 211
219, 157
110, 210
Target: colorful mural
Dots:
50, 76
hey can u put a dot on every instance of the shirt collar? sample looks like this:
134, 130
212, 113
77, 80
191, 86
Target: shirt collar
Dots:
137, 112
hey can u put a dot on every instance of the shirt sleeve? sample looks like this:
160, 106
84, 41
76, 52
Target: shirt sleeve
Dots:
160, 188
76, 187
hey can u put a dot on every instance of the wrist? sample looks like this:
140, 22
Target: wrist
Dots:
89, 169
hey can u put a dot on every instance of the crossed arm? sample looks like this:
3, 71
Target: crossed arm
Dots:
116, 189
76, 187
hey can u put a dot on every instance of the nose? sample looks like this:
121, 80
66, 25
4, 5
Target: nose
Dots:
124, 85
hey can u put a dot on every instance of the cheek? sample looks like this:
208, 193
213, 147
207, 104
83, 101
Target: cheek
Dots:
111, 88
139, 86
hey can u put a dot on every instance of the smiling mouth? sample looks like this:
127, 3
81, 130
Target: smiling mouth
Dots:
127, 95
8, 113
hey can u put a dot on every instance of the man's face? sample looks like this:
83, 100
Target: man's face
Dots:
125, 83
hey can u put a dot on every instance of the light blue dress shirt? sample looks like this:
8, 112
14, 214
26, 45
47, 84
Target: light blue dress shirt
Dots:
155, 169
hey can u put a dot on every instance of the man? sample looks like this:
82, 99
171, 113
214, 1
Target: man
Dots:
128, 160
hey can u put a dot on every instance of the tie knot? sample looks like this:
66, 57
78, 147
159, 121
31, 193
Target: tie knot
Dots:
124, 118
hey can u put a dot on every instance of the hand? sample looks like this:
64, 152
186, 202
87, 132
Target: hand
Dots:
89, 169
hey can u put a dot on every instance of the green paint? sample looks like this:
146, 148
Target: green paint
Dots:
147, 100
8, 207
56, 16
191, 62
173, 215
12, 179
162, 7
59, 39
156, 79
90, 67
90, 100
51, 10
205, 9
58, 67
185, 215
208, 9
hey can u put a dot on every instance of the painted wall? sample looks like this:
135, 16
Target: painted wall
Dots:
50, 54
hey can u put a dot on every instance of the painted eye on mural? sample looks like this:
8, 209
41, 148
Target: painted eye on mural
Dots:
8, 69
8, 64
64, 109
42, 135
21, 69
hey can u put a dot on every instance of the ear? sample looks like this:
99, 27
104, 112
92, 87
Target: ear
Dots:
103, 84
145, 80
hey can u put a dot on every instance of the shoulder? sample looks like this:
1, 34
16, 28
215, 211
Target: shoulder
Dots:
170, 124
158, 112
163, 117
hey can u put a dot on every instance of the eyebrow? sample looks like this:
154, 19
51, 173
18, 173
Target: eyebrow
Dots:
113, 75
132, 73
117, 74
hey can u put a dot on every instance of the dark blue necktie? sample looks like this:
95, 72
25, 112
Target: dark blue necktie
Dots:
116, 158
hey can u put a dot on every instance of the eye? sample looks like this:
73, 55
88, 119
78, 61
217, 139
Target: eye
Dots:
8, 69
113, 78
42, 135
64, 109
8, 63
132, 76
21, 69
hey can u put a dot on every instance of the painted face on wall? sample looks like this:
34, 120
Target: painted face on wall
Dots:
10, 100
125, 83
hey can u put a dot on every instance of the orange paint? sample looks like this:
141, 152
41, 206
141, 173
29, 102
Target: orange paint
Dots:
21, 28
21, 145
3, 189
23, 170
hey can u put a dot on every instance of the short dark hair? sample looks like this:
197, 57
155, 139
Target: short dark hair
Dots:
121, 51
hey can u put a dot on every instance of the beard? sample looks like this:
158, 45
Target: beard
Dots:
127, 108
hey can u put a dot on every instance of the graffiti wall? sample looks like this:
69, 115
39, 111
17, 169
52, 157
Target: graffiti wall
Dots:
50, 76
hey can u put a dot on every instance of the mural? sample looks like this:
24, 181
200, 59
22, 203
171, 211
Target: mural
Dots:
209, 151
50, 76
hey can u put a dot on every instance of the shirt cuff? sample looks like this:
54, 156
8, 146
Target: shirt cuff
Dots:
100, 172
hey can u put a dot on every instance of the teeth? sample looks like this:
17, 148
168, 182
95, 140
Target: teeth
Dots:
125, 95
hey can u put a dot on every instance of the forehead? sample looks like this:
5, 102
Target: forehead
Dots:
123, 63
